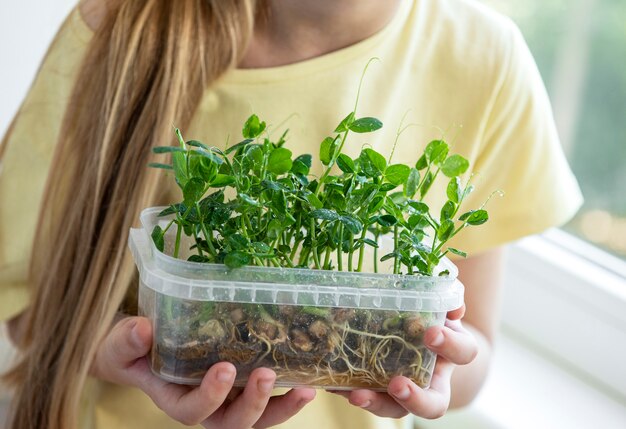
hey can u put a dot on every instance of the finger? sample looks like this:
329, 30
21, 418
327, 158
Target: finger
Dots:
248, 407
280, 408
377, 403
129, 340
428, 403
453, 342
456, 314
185, 404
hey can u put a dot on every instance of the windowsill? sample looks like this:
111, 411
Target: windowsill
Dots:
525, 390
559, 359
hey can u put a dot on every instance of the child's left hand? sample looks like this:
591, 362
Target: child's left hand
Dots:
454, 345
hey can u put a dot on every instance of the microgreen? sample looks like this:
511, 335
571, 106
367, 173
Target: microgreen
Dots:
282, 216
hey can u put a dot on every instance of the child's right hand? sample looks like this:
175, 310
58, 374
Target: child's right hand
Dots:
121, 359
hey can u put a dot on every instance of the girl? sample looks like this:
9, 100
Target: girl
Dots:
121, 72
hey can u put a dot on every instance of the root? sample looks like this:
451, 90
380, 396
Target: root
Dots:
338, 355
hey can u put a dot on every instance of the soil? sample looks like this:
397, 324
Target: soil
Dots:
317, 346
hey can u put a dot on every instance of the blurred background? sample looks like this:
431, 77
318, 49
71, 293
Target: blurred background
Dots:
559, 361
580, 48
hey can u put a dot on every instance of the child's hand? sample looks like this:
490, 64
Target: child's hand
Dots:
214, 404
454, 346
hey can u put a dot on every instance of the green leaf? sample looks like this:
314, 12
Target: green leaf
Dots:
376, 204
372, 163
436, 151
386, 187
261, 247
475, 217
279, 161
428, 181
370, 242
344, 125
274, 186
327, 150
445, 230
279, 202
417, 221
421, 163
397, 173
300, 168
386, 220
274, 229
198, 258
193, 191
236, 259
158, 238
159, 165
306, 159
284, 249
249, 200
325, 214
419, 206
455, 165
237, 241
253, 127
314, 201
352, 223
454, 191
457, 252
203, 168
410, 187
210, 155
365, 125
179, 163
448, 210
238, 145
196, 143
390, 256
174, 208
345, 163
168, 149
302, 165
222, 180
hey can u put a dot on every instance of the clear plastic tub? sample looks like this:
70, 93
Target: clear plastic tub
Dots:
318, 328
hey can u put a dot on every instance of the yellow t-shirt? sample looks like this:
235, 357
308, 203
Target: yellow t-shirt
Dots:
452, 64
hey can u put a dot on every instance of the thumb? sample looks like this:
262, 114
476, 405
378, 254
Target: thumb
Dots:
129, 340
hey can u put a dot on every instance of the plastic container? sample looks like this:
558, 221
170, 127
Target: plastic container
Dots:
318, 328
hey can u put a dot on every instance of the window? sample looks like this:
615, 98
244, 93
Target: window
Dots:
580, 48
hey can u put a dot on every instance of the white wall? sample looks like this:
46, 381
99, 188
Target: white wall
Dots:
26, 29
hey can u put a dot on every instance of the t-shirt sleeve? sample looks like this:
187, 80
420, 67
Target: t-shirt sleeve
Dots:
521, 156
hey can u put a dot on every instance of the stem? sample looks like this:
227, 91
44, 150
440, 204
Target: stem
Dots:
327, 259
168, 226
294, 249
286, 259
396, 267
316, 257
362, 249
358, 93
208, 237
376, 256
177, 244
248, 225
339, 249
304, 256
351, 252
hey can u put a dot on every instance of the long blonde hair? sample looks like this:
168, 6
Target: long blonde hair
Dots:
145, 69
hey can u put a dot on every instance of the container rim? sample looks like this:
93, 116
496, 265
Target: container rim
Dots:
150, 213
